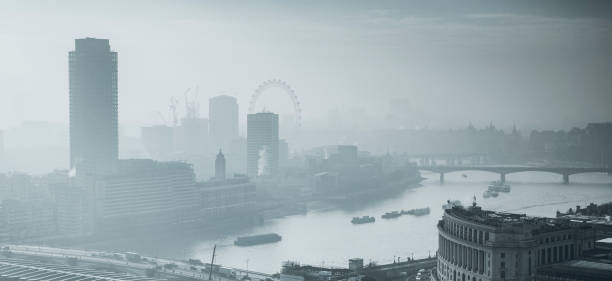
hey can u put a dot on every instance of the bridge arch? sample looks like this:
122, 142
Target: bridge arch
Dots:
504, 170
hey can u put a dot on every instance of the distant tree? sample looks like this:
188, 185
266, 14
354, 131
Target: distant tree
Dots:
7, 254
150, 272
72, 261
368, 278
170, 266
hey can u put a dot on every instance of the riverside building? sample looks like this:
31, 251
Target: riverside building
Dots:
479, 245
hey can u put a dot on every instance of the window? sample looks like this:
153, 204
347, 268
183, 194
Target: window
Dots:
548, 256
503, 255
529, 266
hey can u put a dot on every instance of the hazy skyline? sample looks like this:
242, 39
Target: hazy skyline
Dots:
536, 65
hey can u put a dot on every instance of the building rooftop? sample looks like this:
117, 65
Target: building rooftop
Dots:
15, 269
501, 219
237, 179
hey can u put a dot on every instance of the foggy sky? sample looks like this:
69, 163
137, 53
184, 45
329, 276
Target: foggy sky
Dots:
536, 64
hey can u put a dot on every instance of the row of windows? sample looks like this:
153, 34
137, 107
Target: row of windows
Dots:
466, 233
461, 255
555, 238
556, 254
447, 273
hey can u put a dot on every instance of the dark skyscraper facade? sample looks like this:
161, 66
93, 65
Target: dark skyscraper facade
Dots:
93, 105
262, 144
223, 118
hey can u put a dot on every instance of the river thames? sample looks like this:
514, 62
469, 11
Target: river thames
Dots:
327, 237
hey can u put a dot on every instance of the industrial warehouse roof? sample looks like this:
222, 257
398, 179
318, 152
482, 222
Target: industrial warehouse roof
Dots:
15, 269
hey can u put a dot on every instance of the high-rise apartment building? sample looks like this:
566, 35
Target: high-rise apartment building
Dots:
93, 105
262, 144
223, 118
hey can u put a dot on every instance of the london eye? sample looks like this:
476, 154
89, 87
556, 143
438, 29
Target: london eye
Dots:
282, 85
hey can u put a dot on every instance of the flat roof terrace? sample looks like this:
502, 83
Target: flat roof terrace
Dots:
16, 269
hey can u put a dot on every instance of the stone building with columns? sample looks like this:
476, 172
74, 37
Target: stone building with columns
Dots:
479, 245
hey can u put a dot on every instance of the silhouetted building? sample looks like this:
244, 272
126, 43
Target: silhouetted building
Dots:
223, 116
2, 156
93, 105
236, 156
227, 199
262, 144
220, 166
27, 218
283, 153
158, 141
476, 244
192, 137
140, 193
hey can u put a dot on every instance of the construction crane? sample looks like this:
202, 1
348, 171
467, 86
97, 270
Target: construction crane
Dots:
192, 107
173, 103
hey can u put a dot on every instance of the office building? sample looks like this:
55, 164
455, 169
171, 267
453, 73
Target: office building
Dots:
223, 116
144, 192
220, 166
93, 105
236, 156
23, 219
478, 245
262, 144
227, 199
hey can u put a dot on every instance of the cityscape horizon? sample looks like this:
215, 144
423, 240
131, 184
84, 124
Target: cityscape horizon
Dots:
285, 141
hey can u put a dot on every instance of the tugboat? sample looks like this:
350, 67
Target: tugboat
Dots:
499, 186
257, 239
417, 212
450, 204
362, 220
391, 215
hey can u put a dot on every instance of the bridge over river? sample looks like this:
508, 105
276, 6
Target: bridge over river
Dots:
566, 172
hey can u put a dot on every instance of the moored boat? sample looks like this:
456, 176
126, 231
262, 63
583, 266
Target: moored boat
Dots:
417, 212
257, 239
362, 220
391, 215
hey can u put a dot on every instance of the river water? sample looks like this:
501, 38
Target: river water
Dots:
327, 237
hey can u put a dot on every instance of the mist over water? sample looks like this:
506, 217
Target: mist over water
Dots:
148, 138
327, 237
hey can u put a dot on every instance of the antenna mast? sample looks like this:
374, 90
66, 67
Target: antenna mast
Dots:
212, 263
